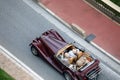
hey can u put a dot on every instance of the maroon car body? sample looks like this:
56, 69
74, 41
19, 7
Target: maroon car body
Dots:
50, 44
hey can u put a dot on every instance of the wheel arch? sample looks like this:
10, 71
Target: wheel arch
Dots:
73, 76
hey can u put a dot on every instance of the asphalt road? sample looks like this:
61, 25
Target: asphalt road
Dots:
19, 25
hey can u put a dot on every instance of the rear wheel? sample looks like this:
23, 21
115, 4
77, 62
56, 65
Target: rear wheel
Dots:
34, 51
67, 76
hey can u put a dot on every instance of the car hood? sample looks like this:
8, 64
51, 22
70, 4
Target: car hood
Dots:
53, 43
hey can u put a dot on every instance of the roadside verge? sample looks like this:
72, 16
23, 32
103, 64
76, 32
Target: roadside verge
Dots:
15, 67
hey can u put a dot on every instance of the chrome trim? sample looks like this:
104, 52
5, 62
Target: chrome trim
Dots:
92, 74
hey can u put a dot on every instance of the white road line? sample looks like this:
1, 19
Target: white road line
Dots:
21, 64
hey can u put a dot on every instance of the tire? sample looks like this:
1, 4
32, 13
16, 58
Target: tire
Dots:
67, 76
34, 51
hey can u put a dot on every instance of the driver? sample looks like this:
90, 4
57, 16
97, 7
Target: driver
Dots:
70, 56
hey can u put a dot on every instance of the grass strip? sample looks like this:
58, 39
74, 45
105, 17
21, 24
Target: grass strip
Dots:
5, 76
117, 2
108, 7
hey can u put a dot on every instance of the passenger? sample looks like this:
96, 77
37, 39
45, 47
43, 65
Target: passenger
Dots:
66, 59
77, 52
81, 61
71, 55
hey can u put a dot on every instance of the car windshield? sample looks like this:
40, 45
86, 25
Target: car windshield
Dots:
64, 49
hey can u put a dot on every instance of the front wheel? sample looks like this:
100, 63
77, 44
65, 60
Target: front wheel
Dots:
67, 76
34, 51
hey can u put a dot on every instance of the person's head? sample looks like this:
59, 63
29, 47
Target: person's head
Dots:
74, 50
80, 61
66, 55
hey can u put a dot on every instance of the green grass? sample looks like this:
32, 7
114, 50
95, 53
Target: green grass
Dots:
5, 76
110, 8
117, 2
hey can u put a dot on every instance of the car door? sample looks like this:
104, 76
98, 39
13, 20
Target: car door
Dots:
58, 63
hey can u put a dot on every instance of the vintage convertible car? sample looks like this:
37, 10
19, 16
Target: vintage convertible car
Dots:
53, 48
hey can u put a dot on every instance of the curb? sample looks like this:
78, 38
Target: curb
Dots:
69, 26
106, 53
20, 64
